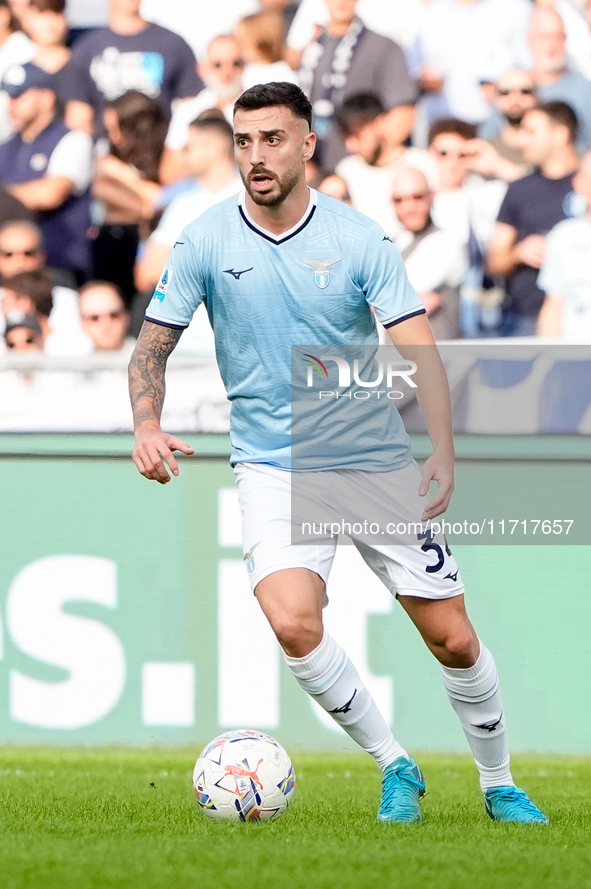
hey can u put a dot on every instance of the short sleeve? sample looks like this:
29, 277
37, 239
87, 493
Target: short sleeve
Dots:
509, 210
72, 158
382, 277
551, 277
181, 288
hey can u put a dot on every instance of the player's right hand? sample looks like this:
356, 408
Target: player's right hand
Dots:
153, 450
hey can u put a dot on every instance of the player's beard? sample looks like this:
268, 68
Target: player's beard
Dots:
286, 183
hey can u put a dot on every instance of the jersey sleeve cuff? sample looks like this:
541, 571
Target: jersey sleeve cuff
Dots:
408, 315
164, 322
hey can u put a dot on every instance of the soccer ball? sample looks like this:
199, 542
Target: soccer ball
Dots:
244, 776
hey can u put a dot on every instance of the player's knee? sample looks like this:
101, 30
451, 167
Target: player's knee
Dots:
458, 648
298, 634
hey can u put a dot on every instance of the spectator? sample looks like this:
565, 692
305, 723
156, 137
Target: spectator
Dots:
554, 80
104, 317
466, 207
48, 168
565, 276
461, 43
19, 10
221, 71
126, 182
23, 334
375, 157
15, 49
514, 94
261, 39
532, 206
21, 250
574, 15
347, 58
131, 54
29, 293
336, 188
48, 28
435, 262
287, 8
210, 160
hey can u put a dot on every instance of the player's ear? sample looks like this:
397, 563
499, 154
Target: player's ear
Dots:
309, 145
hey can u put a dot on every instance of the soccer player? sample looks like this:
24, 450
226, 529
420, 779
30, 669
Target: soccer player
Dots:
282, 265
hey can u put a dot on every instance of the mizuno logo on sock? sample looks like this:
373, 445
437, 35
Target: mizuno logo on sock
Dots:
347, 706
489, 726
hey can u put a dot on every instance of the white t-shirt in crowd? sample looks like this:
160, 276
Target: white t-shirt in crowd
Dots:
16, 50
437, 261
186, 207
255, 72
474, 206
371, 187
188, 110
566, 273
72, 157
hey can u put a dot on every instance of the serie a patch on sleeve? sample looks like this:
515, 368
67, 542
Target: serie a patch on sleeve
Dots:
162, 286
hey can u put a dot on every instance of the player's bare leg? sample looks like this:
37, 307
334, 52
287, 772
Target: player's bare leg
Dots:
470, 678
291, 600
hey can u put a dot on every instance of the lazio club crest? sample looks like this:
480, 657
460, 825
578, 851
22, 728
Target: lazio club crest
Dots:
321, 270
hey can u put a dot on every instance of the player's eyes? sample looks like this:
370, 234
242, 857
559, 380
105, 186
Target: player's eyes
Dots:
273, 140
241, 143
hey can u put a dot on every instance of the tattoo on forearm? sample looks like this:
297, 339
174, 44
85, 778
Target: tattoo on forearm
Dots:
147, 368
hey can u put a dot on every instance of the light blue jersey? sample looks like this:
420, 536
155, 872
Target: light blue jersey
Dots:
314, 284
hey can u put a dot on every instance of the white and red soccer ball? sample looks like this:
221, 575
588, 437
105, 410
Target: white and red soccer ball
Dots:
244, 776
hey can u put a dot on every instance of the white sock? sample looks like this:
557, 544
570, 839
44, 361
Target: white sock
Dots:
474, 695
330, 678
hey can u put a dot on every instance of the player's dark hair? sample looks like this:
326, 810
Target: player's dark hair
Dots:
357, 111
452, 125
217, 125
560, 113
280, 93
37, 285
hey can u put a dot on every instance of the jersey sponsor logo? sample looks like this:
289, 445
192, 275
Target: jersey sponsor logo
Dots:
321, 270
451, 576
162, 285
346, 707
236, 275
249, 558
386, 238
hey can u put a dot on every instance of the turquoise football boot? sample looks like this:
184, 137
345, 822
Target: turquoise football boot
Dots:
512, 804
403, 785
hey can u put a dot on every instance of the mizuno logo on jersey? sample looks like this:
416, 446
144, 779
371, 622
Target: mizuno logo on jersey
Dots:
236, 275
321, 270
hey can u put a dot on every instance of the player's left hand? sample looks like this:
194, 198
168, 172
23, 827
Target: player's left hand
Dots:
439, 468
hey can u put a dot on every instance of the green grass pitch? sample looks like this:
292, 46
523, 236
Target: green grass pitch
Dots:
127, 818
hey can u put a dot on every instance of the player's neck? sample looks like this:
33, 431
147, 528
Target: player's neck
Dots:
283, 217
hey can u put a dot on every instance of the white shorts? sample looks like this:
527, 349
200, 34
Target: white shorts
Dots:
425, 569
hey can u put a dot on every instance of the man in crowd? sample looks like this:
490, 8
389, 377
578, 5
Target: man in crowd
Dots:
554, 80
21, 250
376, 154
29, 293
48, 168
532, 206
347, 58
130, 54
514, 93
104, 317
23, 334
221, 71
565, 276
210, 161
435, 262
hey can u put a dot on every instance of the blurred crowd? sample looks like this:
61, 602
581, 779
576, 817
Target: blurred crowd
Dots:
462, 126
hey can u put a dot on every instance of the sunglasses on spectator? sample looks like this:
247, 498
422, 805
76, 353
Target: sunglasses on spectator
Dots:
8, 253
30, 341
524, 90
236, 63
411, 197
114, 316
444, 152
